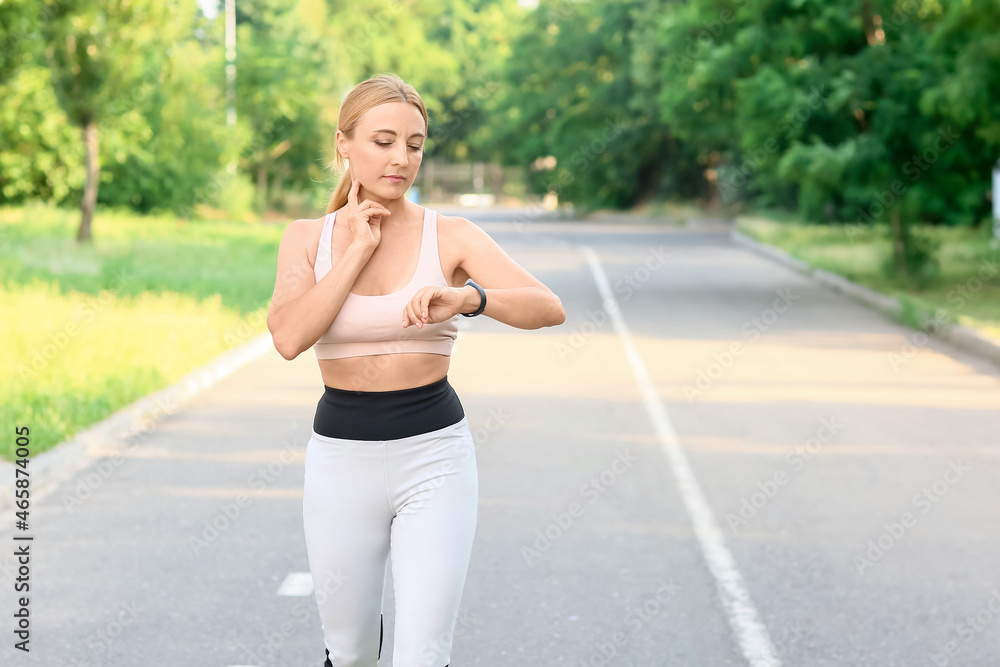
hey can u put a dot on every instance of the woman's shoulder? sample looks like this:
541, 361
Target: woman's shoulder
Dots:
462, 232
456, 228
306, 228
303, 226
304, 233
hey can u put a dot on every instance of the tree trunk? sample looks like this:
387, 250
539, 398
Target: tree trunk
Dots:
868, 22
262, 186
898, 243
89, 202
650, 179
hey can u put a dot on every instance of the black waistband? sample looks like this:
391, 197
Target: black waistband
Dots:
385, 415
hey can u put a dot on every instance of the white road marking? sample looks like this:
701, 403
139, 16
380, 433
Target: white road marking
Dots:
754, 641
298, 584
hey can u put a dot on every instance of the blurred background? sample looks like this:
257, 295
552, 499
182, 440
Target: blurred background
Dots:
152, 151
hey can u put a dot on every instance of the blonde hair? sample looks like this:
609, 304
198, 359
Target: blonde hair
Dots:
367, 94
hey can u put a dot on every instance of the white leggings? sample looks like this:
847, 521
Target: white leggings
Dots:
416, 496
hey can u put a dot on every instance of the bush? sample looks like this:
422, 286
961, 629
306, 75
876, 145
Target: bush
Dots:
236, 197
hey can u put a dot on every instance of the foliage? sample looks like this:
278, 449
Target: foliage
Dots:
154, 296
570, 108
967, 290
843, 110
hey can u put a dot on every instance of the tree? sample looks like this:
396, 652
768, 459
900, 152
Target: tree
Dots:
19, 31
569, 95
99, 52
874, 111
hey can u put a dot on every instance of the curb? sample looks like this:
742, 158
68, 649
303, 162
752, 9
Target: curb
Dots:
966, 338
108, 436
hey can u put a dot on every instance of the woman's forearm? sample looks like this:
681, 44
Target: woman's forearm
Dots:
521, 307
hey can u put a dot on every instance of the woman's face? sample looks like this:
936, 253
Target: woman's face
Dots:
389, 141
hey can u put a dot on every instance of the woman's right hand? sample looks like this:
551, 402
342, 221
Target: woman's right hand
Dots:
364, 219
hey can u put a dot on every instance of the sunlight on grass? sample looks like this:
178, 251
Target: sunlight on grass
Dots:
89, 329
967, 289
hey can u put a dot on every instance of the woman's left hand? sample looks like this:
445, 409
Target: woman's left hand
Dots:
432, 304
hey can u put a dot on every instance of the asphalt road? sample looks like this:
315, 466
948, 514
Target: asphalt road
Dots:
713, 462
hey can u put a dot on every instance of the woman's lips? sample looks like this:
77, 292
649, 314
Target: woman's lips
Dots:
396, 179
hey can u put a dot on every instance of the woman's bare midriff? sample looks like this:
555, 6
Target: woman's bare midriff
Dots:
384, 372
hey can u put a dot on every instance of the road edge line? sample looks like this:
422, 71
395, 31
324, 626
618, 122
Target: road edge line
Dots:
744, 619
965, 338
58, 463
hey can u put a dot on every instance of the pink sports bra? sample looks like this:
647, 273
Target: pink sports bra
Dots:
374, 324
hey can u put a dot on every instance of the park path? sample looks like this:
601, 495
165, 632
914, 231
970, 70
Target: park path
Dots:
724, 464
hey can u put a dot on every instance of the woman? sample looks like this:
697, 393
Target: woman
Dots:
390, 464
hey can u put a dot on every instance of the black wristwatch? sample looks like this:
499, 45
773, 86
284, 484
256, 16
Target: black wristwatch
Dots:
482, 298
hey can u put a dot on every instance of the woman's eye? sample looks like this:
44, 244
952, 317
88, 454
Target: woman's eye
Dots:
380, 143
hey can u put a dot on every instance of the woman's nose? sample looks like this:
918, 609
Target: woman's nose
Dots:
400, 155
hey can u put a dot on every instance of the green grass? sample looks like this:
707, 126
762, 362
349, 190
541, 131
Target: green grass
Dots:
967, 288
89, 329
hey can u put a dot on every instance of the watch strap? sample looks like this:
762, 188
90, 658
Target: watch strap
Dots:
482, 298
